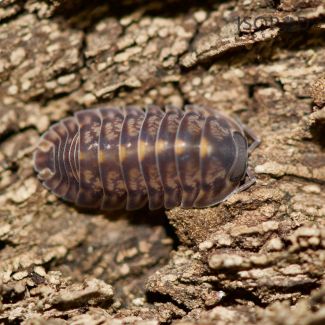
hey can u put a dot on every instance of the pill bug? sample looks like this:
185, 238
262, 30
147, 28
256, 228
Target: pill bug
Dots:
111, 158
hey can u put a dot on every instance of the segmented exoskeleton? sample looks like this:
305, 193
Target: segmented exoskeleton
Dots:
112, 158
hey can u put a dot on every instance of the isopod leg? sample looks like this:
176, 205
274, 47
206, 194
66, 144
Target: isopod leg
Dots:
249, 133
256, 140
249, 181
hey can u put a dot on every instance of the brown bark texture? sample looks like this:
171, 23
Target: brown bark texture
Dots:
257, 258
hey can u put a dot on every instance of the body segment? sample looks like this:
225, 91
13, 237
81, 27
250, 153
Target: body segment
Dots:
114, 191
111, 158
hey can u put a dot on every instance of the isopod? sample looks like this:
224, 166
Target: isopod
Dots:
111, 158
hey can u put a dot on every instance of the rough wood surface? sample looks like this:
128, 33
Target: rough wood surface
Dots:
259, 257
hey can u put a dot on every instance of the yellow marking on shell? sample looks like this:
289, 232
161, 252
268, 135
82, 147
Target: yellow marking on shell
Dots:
160, 147
82, 155
204, 147
179, 147
142, 148
101, 156
122, 153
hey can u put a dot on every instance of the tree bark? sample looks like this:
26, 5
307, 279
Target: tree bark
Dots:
257, 258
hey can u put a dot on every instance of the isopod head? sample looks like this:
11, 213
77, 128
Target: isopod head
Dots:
239, 168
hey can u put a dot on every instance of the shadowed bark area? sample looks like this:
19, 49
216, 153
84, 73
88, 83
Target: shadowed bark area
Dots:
257, 258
